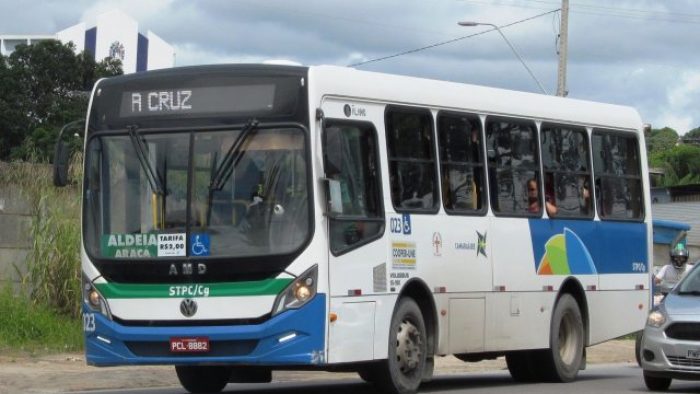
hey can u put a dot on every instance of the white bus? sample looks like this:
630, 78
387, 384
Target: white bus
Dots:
245, 218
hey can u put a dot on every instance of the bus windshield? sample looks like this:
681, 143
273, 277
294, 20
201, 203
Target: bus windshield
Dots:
259, 205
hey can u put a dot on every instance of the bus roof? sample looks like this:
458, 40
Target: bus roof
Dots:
373, 86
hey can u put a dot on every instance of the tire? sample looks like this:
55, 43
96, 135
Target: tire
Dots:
248, 374
564, 358
638, 347
200, 379
521, 366
654, 383
404, 368
368, 371
367, 375
428, 370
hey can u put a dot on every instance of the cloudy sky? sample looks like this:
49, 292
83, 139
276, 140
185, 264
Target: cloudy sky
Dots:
641, 53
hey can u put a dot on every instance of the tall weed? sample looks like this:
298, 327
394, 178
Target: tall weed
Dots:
52, 276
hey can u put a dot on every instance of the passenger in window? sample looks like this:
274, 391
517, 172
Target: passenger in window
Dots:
533, 199
586, 198
549, 199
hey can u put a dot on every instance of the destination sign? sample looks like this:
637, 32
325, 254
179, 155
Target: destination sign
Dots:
198, 100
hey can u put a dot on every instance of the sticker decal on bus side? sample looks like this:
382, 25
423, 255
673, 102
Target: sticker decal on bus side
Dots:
566, 254
401, 225
403, 255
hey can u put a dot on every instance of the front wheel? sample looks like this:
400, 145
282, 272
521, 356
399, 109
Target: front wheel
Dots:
201, 379
564, 357
405, 365
638, 347
654, 383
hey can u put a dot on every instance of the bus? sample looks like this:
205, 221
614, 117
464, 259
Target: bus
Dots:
240, 219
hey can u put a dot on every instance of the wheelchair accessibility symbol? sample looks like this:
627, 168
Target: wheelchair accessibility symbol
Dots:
199, 245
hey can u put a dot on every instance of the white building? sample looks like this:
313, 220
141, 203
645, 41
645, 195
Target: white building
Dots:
114, 35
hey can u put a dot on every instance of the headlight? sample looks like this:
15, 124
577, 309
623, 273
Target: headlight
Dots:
93, 299
299, 292
656, 319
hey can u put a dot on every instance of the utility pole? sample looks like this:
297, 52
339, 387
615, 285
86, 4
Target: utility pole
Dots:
563, 49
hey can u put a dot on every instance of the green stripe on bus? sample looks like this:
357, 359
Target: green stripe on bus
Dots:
178, 290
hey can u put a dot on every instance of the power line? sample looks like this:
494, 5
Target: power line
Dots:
437, 44
618, 9
615, 12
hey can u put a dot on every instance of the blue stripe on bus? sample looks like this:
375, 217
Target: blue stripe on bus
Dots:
602, 247
106, 343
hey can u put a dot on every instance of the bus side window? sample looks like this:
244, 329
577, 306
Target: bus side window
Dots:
618, 179
513, 166
351, 157
567, 171
461, 163
412, 170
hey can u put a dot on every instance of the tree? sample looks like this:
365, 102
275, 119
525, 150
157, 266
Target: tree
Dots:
681, 163
661, 140
12, 118
692, 137
43, 87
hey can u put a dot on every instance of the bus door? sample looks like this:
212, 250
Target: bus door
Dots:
355, 226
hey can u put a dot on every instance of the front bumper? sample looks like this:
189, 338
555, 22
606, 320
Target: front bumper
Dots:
294, 337
668, 357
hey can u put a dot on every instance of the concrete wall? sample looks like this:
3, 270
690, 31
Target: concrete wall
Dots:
15, 233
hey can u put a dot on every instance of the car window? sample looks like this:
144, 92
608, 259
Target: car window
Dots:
691, 283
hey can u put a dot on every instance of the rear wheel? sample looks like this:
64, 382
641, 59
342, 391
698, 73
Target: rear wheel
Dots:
562, 361
367, 375
654, 383
368, 371
203, 379
521, 365
404, 368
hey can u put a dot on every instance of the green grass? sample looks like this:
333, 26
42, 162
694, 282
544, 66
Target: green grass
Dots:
33, 328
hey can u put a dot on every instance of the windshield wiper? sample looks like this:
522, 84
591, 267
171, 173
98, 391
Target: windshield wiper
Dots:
692, 292
141, 151
224, 170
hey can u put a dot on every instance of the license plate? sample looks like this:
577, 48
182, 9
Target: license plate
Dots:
695, 354
189, 345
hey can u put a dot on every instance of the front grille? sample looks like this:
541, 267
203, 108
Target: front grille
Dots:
684, 331
684, 361
192, 323
217, 349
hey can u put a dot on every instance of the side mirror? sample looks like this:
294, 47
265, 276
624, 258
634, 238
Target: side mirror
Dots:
61, 156
334, 199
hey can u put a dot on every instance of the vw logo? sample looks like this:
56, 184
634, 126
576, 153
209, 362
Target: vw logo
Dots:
188, 307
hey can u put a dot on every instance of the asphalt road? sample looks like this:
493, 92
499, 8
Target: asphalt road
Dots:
605, 378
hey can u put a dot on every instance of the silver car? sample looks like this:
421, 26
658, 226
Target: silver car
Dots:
670, 347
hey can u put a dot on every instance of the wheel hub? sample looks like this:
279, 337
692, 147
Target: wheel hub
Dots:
568, 339
408, 347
